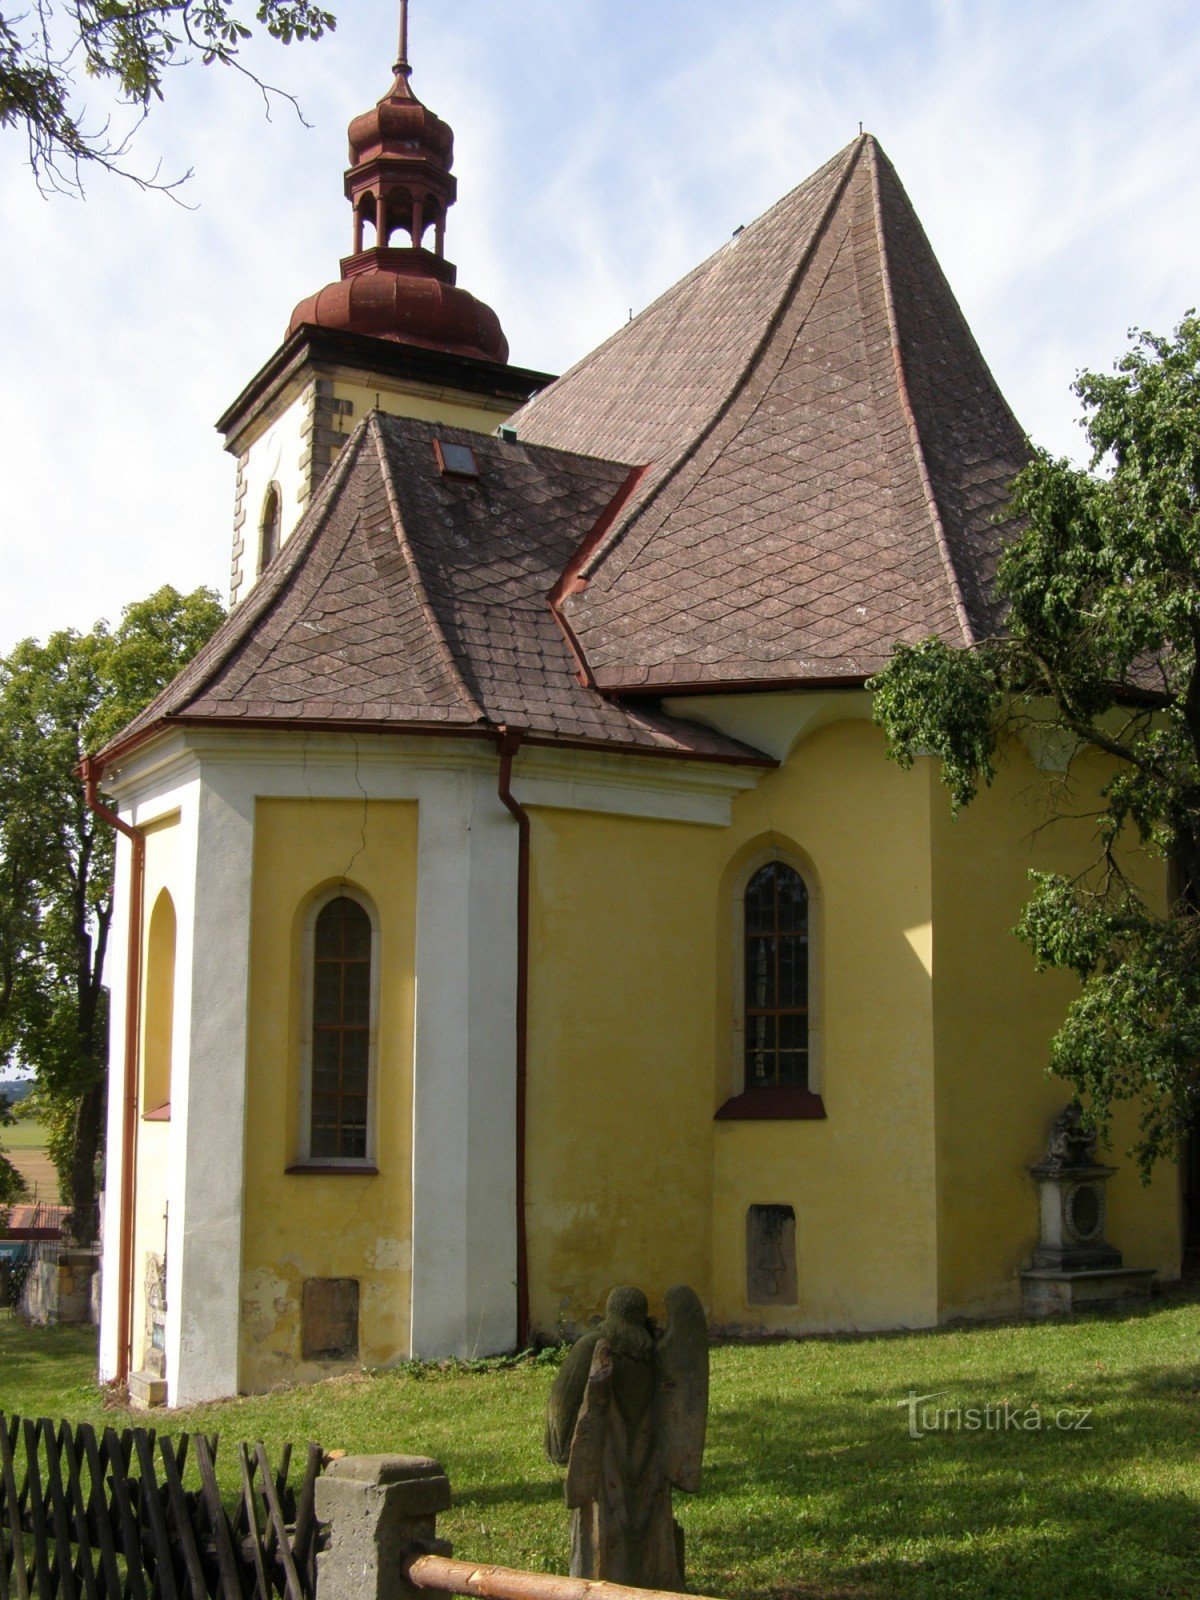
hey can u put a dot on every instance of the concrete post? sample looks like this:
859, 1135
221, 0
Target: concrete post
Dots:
379, 1508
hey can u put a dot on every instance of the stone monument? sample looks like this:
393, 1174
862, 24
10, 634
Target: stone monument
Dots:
1074, 1267
627, 1417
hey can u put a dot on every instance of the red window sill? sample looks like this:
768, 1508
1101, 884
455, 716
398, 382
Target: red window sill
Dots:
326, 1169
773, 1105
159, 1114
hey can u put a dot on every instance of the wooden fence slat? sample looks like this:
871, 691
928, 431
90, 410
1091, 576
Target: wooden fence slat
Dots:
164, 1566
253, 1537
88, 1515
8, 1439
37, 1513
98, 1513
281, 1479
181, 1516
87, 1564
304, 1538
5, 1589
131, 1544
58, 1513
292, 1587
44, 1580
15, 1439
231, 1583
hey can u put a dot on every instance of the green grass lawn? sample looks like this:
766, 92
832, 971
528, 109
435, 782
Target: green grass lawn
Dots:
812, 1484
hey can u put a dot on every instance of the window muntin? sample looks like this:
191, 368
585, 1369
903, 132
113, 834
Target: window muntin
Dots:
776, 998
342, 989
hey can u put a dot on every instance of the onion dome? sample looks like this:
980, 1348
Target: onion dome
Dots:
399, 183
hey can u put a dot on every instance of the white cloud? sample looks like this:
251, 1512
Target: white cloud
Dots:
602, 149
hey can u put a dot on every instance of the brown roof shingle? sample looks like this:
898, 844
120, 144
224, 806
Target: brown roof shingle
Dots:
827, 449
408, 599
791, 460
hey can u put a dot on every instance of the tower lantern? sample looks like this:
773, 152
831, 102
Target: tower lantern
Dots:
400, 187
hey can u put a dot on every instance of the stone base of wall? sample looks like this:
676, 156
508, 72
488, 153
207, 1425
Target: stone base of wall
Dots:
60, 1290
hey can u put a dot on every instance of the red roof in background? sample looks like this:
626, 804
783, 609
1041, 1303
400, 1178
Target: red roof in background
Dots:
26, 1221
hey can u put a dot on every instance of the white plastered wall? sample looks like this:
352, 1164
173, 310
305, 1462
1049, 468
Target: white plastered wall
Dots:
464, 1097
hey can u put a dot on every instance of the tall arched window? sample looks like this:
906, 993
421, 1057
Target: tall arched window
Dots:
341, 1031
268, 528
776, 979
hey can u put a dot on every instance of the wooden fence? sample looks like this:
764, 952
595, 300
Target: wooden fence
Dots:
100, 1516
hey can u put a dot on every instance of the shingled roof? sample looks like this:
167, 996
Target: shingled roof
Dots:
827, 453
790, 461
410, 599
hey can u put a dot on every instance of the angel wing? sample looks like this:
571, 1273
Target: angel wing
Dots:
681, 1394
566, 1397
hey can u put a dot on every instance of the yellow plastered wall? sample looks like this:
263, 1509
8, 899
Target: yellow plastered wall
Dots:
455, 408
994, 1018
632, 948
861, 1182
619, 1102
325, 1225
161, 885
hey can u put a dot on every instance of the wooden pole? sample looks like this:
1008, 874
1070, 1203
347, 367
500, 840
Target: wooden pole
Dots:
446, 1576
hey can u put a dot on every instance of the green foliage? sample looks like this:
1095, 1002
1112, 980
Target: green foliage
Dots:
59, 701
1101, 650
12, 1185
129, 46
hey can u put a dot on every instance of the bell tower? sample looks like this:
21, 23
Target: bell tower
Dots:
394, 331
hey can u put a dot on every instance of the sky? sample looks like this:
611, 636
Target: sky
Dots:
603, 147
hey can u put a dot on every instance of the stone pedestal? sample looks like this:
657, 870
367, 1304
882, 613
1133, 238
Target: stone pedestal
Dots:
379, 1509
1074, 1267
1046, 1292
146, 1390
59, 1289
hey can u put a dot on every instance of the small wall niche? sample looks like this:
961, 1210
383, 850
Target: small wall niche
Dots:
329, 1319
771, 1256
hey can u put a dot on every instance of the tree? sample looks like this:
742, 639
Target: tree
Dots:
1101, 644
12, 1184
58, 701
127, 46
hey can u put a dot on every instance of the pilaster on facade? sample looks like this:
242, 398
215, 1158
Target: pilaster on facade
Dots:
322, 435
237, 572
205, 1243
464, 1244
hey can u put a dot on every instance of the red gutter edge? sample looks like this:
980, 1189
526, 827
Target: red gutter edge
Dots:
569, 580
510, 740
91, 771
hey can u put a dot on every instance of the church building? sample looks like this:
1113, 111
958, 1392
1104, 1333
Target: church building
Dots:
515, 897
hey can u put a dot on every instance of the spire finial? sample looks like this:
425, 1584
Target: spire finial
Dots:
402, 64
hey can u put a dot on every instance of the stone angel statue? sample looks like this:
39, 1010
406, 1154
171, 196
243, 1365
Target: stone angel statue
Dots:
627, 1417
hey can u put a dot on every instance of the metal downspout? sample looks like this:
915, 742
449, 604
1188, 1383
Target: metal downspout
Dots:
510, 743
92, 774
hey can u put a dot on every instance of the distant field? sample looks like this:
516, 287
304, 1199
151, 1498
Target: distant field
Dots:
28, 1134
25, 1145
